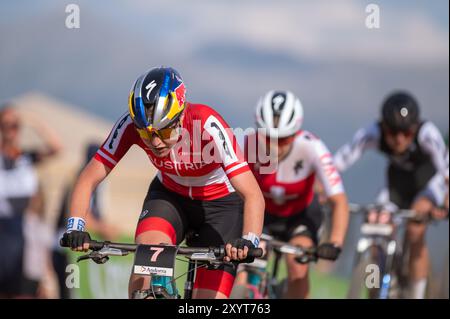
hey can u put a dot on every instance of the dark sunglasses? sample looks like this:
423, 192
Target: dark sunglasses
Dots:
392, 132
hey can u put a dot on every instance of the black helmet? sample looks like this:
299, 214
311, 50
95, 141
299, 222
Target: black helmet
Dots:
400, 111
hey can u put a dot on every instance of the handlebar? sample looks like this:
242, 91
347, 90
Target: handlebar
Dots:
357, 208
97, 245
398, 215
122, 249
305, 254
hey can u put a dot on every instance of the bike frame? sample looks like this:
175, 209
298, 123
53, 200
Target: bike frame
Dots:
189, 284
381, 242
384, 251
265, 282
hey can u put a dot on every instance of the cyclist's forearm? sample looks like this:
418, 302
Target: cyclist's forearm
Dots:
81, 198
340, 218
253, 215
89, 178
247, 187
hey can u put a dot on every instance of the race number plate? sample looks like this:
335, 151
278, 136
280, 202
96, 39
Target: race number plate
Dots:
155, 260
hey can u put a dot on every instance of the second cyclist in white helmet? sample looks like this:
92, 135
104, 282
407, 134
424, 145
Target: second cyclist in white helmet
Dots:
292, 210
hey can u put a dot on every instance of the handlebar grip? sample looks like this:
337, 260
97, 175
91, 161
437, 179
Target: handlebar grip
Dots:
93, 244
96, 245
255, 252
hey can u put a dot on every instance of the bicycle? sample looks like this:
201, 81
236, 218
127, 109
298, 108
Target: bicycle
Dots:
379, 250
158, 261
263, 283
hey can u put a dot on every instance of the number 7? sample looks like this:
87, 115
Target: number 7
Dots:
157, 250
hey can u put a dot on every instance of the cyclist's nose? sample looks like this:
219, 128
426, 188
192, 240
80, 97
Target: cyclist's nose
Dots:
155, 140
399, 138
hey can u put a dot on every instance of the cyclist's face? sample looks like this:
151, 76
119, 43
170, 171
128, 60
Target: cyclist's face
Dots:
279, 147
399, 141
160, 142
9, 126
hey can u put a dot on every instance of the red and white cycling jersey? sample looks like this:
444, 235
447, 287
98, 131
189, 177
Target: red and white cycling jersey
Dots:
199, 166
289, 189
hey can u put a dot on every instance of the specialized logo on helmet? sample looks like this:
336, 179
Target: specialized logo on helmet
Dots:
278, 102
150, 87
404, 112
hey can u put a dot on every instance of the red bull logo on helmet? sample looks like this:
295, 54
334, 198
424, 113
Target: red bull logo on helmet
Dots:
180, 92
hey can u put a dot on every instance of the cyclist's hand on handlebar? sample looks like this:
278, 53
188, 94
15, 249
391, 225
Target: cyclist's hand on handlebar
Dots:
76, 240
237, 250
439, 213
328, 251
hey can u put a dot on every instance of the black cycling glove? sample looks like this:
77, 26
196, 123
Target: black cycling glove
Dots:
75, 238
240, 243
328, 251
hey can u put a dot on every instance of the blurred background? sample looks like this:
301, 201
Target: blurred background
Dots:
229, 53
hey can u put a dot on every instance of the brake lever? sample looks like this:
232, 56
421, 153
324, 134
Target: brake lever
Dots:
84, 257
95, 256
217, 263
100, 260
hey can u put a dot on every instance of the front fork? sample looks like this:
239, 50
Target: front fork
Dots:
161, 287
384, 255
388, 270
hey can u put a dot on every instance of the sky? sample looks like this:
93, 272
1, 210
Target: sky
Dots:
231, 52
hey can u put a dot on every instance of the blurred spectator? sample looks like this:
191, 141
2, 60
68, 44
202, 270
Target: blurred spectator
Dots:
37, 251
94, 220
18, 184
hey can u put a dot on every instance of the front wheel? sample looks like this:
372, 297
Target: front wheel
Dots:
365, 279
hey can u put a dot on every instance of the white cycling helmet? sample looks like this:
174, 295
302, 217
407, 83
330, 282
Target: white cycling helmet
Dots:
280, 113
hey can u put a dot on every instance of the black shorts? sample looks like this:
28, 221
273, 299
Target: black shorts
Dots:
12, 257
29, 287
405, 186
305, 223
214, 222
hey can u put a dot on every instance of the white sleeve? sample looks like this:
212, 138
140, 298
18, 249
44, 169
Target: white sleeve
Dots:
431, 141
325, 169
364, 139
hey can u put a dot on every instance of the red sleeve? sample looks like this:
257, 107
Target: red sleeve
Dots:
122, 137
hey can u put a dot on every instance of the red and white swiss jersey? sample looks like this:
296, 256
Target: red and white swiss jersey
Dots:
288, 189
199, 166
